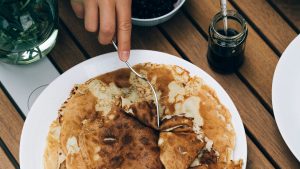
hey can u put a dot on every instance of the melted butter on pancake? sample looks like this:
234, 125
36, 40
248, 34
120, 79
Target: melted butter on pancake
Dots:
72, 145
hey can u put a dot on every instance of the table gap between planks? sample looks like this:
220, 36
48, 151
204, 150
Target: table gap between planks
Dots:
272, 26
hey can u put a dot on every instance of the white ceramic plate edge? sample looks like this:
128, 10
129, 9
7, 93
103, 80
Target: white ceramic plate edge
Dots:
277, 85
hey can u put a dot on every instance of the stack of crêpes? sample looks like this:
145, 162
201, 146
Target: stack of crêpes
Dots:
109, 122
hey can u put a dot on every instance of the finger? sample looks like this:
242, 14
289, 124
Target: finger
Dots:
107, 21
91, 15
124, 28
77, 8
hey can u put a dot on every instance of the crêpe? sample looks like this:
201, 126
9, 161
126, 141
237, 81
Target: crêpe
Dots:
196, 129
123, 142
178, 150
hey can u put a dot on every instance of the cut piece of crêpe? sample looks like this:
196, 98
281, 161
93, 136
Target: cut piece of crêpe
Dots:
139, 101
146, 113
178, 150
135, 93
122, 142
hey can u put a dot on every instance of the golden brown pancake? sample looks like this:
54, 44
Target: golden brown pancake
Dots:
217, 125
122, 142
91, 140
178, 150
110, 122
53, 153
80, 107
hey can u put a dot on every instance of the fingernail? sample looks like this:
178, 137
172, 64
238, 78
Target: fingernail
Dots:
124, 55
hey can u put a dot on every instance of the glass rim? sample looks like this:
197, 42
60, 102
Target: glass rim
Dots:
230, 14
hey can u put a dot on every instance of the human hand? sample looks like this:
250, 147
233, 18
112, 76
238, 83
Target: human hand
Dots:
110, 17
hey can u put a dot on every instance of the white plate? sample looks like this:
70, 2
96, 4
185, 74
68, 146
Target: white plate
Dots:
44, 110
286, 96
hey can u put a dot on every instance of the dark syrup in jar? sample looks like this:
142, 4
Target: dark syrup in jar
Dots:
223, 58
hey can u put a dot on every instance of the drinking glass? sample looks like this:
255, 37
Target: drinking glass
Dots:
28, 29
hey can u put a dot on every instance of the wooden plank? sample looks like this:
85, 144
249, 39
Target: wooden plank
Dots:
291, 10
255, 157
268, 21
11, 125
151, 39
255, 117
260, 61
4, 161
65, 52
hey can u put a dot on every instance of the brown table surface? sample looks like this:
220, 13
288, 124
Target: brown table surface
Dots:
272, 26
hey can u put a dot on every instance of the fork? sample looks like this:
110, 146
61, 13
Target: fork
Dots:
144, 78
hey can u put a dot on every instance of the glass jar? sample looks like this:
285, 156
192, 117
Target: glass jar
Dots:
226, 48
28, 29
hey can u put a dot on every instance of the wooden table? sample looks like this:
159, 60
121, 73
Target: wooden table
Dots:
272, 26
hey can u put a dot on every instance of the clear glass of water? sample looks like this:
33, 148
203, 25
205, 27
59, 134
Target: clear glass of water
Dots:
28, 29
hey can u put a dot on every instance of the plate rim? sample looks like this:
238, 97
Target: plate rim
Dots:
219, 90
275, 82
